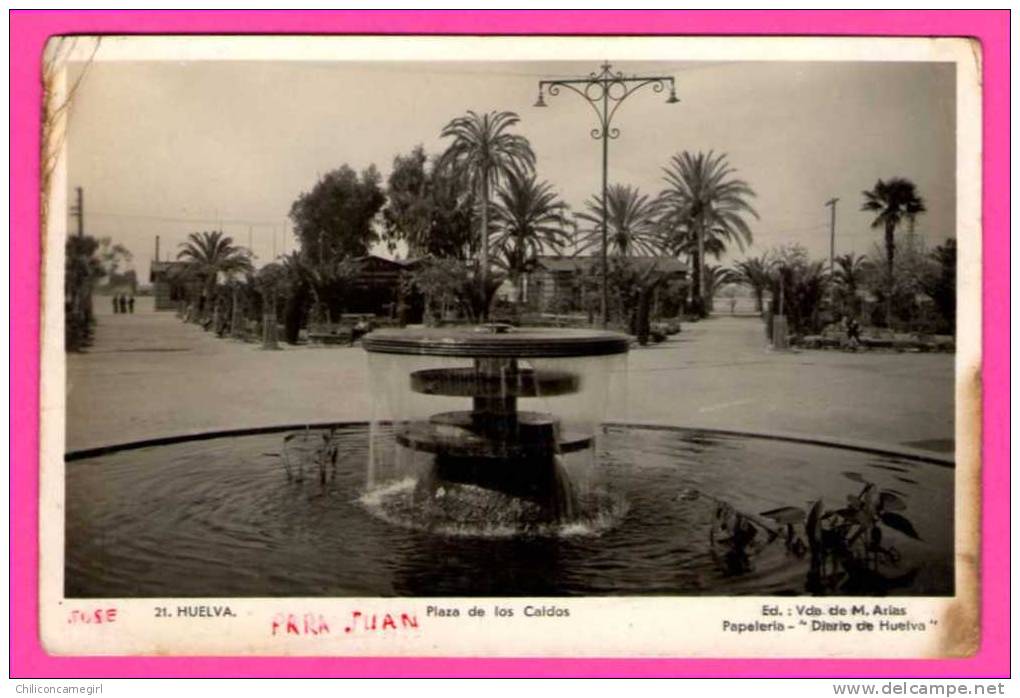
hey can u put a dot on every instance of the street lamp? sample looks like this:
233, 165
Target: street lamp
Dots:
605, 91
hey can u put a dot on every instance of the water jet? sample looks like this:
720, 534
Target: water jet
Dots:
451, 415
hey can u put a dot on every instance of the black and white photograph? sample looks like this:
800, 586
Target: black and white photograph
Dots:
465, 319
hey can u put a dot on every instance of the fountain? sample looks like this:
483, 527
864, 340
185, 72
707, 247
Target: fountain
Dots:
489, 469
495, 451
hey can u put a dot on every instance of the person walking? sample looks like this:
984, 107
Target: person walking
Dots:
123, 304
116, 303
131, 305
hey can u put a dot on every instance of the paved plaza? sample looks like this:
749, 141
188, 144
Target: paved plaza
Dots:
149, 374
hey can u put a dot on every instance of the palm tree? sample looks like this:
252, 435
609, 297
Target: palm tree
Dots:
704, 200
894, 201
798, 287
329, 286
848, 275
716, 276
529, 219
680, 240
485, 152
940, 284
272, 280
632, 229
631, 219
209, 254
754, 272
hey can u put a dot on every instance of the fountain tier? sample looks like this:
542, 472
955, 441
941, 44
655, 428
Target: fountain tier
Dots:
494, 445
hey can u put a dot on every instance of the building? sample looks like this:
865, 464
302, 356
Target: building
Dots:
555, 284
378, 286
168, 287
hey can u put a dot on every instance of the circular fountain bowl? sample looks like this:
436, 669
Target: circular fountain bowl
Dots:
216, 515
450, 433
468, 382
496, 341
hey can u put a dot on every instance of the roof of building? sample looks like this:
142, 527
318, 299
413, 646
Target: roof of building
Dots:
166, 265
161, 269
378, 261
559, 263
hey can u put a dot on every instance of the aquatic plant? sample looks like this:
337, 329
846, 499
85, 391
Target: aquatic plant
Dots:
305, 450
736, 537
848, 546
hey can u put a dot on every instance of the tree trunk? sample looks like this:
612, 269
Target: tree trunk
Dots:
208, 298
483, 265
890, 255
294, 316
698, 300
644, 303
518, 283
236, 329
269, 321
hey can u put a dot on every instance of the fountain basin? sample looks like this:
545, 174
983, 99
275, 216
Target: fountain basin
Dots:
213, 515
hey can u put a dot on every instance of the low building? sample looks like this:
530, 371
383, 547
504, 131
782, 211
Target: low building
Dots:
168, 287
555, 284
378, 286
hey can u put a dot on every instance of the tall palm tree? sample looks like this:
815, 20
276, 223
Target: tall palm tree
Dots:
485, 152
754, 272
529, 219
704, 199
631, 219
210, 253
894, 201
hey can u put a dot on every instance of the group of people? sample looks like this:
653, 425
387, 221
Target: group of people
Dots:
123, 304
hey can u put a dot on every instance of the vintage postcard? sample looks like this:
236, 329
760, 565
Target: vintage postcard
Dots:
511, 346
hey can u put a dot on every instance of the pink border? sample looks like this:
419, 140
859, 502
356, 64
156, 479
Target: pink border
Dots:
30, 29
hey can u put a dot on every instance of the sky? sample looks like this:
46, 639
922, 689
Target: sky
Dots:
172, 147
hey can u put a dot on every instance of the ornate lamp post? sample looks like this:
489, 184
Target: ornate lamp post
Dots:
605, 91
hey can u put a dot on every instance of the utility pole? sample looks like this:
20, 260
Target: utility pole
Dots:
78, 210
831, 203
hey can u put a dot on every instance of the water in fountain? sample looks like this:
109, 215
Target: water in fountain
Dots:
217, 516
486, 443
478, 456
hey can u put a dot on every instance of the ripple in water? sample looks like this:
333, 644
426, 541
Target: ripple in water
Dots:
218, 517
470, 511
